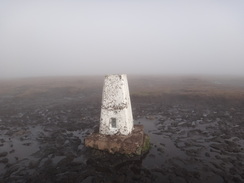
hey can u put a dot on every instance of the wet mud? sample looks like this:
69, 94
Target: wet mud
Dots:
193, 138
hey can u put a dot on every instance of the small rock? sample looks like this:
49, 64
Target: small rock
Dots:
12, 151
160, 149
4, 160
207, 154
33, 164
150, 117
217, 157
151, 156
3, 154
181, 123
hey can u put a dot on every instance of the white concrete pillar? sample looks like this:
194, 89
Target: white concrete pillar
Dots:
116, 112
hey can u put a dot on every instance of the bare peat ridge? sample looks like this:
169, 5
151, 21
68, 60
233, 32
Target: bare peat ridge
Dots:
195, 125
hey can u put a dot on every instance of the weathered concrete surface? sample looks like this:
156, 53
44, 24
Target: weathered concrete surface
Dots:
135, 143
116, 113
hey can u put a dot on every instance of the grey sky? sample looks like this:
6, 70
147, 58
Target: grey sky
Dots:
71, 37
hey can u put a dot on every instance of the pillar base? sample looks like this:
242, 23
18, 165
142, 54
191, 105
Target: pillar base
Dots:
136, 143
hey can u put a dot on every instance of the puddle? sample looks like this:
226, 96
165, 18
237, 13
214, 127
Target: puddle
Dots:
162, 146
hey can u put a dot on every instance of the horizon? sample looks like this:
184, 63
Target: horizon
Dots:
172, 75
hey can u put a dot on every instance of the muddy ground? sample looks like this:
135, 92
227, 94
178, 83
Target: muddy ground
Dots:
195, 124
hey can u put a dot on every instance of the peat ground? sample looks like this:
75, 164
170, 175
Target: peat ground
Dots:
195, 124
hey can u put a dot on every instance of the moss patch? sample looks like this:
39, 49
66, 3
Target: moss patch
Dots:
146, 144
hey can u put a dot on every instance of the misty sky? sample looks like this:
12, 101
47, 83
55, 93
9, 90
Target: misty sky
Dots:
75, 37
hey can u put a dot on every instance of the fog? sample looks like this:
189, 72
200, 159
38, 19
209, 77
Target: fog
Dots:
70, 37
